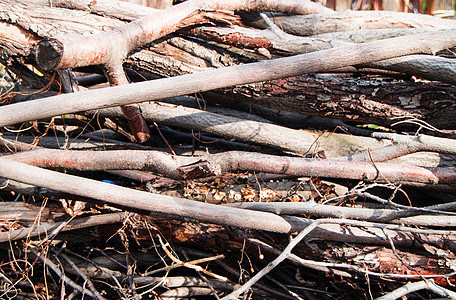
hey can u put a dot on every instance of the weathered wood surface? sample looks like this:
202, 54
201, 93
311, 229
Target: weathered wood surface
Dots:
337, 98
354, 20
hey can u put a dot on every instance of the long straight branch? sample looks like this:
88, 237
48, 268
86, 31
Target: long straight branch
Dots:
299, 141
320, 61
311, 208
204, 212
178, 166
77, 223
250, 131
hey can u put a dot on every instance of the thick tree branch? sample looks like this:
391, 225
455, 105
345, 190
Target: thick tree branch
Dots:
178, 207
111, 47
266, 70
355, 20
182, 167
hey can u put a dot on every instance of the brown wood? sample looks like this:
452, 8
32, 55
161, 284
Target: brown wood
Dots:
181, 167
321, 61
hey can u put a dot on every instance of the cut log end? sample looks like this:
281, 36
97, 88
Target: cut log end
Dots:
48, 54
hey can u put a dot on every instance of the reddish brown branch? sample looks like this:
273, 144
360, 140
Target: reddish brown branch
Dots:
110, 48
184, 167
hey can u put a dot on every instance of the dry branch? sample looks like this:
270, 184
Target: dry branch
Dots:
250, 131
356, 20
57, 270
328, 241
110, 48
203, 212
278, 42
416, 286
182, 167
311, 208
193, 83
403, 145
45, 228
343, 102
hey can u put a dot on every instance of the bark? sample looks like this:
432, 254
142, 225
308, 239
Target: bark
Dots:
25, 213
118, 9
276, 41
367, 35
47, 227
190, 167
355, 20
203, 81
368, 101
111, 47
344, 105
310, 208
178, 207
249, 131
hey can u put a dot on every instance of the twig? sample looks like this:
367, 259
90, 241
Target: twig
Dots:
404, 207
73, 224
190, 265
286, 252
60, 274
214, 293
84, 276
416, 286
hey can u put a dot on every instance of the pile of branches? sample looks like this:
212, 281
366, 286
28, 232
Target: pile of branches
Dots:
265, 149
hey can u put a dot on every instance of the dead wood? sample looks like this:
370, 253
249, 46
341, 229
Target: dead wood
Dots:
249, 131
108, 49
416, 286
128, 260
178, 207
183, 167
45, 228
361, 112
267, 70
311, 208
370, 101
354, 20
278, 42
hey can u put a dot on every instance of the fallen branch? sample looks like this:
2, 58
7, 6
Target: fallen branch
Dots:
356, 20
403, 145
298, 141
416, 286
110, 48
223, 215
311, 208
320, 61
45, 228
278, 42
178, 167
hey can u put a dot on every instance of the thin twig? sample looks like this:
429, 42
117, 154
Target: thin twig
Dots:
416, 286
87, 280
62, 275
